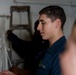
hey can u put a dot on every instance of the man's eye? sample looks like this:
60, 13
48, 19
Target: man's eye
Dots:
43, 23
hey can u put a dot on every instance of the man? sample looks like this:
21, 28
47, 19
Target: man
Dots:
68, 58
51, 22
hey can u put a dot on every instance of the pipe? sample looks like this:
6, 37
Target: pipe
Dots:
48, 3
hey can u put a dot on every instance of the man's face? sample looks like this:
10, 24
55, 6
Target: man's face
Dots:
46, 27
68, 58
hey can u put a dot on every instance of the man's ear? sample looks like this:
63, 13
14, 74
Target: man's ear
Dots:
57, 23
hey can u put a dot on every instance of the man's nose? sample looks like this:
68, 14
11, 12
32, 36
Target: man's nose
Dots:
39, 27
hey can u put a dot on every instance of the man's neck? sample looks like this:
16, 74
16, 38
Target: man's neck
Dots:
55, 38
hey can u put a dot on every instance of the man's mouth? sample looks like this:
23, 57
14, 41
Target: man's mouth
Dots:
41, 33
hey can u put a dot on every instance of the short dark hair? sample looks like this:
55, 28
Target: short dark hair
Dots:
54, 12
